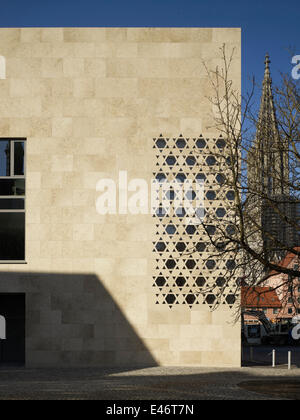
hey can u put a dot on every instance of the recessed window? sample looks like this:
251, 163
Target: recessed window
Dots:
12, 200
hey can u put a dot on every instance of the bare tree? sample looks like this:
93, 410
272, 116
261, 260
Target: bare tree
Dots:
257, 165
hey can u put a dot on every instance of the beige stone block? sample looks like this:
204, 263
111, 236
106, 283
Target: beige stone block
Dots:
23, 67
166, 358
160, 344
226, 344
220, 358
30, 34
32, 248
34, 231
84, 34
172, 88
40, 127
20, 87
10, 35
133, 266
122, 67
169, 34
90, 179
115, 87
51, 214
116, 49
83, 198
116, 127
42, 49
165, 316
175, 50
73, 107
61, 232
83, 232
156, 67
4, 88
63, 49
16, 50
51, 107
51, 249
190, 126
90, 162
61, 198
62, 127
41, 88
4, 127
94, 67
84, 49
84, 88
51, 180
90, 101
104, 266
169, 331
192, 67
190, 344
52, 67
222, 316
62, 163
158, 125
52, 34
73, 67
40, 231
83, 126
62, 87
92, 146
33, 215
34, 197
72, 180
201, 317
207, 331
90, 215
230, 34
74, 344
33, 180
92, 107
116, 34
84, 265
122, 107
191, 358
131, 232
154, 49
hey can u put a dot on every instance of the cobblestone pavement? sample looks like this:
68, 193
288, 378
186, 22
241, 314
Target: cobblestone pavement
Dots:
157, 383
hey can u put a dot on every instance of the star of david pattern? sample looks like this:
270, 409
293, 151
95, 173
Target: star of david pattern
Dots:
183, 269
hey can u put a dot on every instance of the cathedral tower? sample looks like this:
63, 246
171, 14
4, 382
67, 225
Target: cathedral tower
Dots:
268, 178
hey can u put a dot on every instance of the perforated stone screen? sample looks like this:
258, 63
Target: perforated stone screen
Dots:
185, 272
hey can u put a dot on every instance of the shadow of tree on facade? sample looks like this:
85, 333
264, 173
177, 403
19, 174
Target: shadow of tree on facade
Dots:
72, 320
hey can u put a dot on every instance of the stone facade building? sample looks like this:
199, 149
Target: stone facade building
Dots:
81, 288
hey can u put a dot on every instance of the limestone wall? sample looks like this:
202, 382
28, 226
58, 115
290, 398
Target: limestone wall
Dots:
90, 102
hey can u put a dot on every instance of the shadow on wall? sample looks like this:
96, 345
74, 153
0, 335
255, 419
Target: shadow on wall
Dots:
71, 320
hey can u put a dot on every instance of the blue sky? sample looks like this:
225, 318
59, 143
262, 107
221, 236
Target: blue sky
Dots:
267, 25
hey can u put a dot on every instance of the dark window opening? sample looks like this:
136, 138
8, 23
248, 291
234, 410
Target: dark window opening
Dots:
12, 200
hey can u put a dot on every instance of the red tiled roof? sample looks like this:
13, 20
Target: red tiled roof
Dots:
286, 261
259, 297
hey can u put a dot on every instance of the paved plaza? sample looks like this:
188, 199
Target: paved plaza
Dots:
157, 383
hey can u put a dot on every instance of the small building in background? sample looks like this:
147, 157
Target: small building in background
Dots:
260, 299
287, 288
